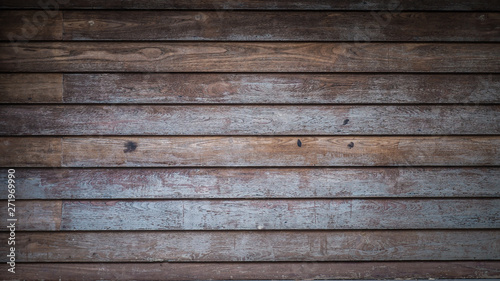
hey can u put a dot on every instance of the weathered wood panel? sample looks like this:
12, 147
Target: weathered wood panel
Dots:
326, 214
279, 151
30, 152
254, 183
31, 25
284, 26
34, 215
249, 120
250, 271
229, 246
280, 88
348, 5
31, 88
248, 57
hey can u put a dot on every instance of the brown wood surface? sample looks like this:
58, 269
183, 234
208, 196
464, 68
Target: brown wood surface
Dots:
279, 151
30, 25
291, 214
31, 88
283, 26
249, 271
30, 152
280, 88
248, 57
130, 183
348, 5
227, 246
249, 120
248, 151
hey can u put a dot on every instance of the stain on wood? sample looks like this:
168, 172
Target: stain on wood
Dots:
291, 88
247, 183
248, 57
130, 146
253, 246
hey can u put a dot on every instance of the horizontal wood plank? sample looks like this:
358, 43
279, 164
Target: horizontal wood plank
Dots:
280, 88
279, 151
284, 26
254, 183
31, 88
249, 151
349, 5
254, 246
30, 152
248, 57
250, 271
18, 26
324, 214
249, 120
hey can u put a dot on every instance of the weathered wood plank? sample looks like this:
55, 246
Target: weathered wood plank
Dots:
30, 152
229, 246
284, 26
254, 183
248, 57
251, 271
249, 120
31, 25
325, 214
363, 5
36, 214
31, 88
280, 88
279, 151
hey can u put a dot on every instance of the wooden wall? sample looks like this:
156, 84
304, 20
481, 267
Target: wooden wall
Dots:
252, 139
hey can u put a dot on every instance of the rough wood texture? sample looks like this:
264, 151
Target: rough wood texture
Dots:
349, 5
249, 120
254, 183
34, 215
31, 88
30, 152
325, 214
255, 246
251, 271
280, 88
279, 151
248, 57
31, 25
284, 26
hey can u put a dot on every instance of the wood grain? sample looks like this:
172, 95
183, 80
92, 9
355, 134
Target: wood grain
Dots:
234, 246
30, 152
324, 214
280, 88
248, 57
348, 5
248, 271
249, 120
284, 26
279, 151
18, 26
254, 183
31, 88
